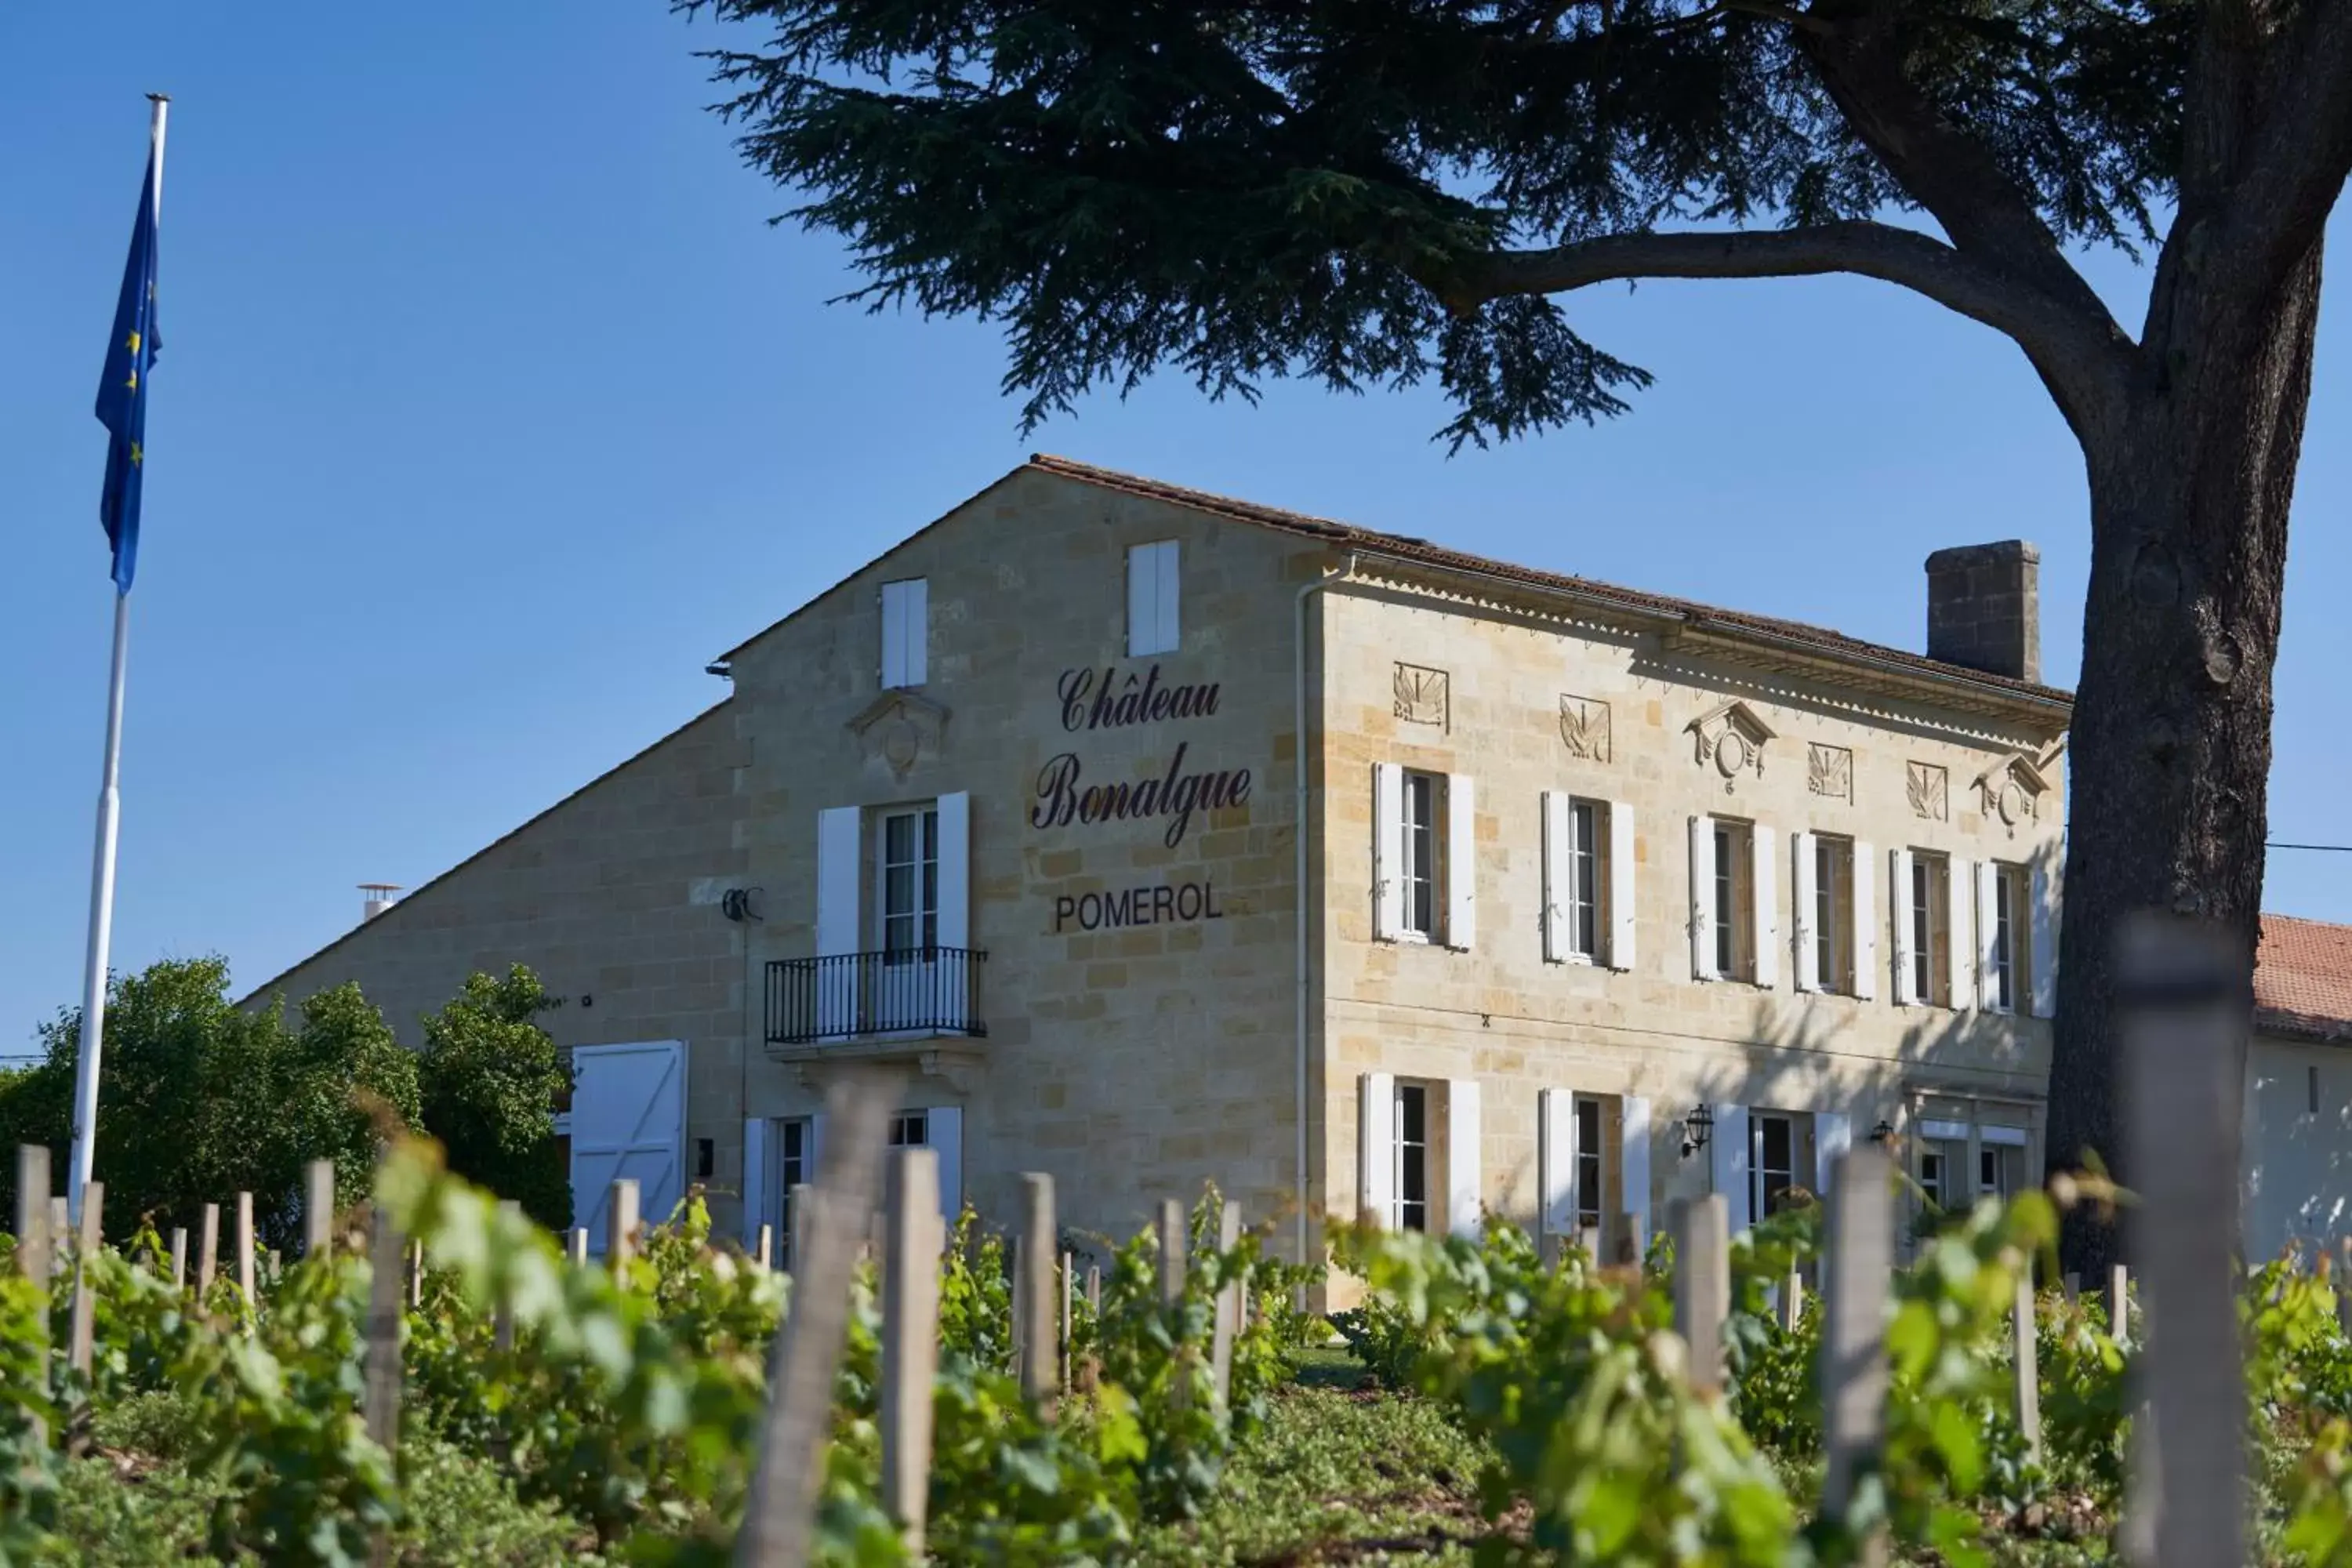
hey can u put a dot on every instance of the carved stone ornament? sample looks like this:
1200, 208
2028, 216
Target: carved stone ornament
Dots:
1422, 696
1732, 738
2013, 789
1584, 727
1829, 771
900, 728
1929, 786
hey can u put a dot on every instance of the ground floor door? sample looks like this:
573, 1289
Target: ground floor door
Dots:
628, 1120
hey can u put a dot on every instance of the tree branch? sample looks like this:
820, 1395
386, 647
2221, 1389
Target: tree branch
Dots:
2296, 163
2077, 356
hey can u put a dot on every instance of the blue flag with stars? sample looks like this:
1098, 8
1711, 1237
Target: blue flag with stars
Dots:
122, 389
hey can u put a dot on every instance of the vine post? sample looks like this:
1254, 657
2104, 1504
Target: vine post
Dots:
1792, 1300
2181, 991
2119, 1304
766, 1254
1228, 1320
60, 1235
416, 1274
207, 1250
245, 1283
831, 1227
381, 1399
621, 1225
32, 1211
1701, 1285
317, 1207
1855, 1266
2026, 1398
1070, 1286
85, 1306
579, 1244
1035, 1326
912, 1242
179, 1258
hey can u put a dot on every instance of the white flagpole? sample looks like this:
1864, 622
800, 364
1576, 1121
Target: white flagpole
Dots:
110, 808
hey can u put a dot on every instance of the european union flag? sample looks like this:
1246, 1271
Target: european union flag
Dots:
122, 389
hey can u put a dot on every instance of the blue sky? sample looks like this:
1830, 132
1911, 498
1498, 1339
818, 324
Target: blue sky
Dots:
491, 409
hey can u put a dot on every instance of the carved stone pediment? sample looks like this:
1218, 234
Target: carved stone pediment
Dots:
1731, 736
899, 729
2011, 789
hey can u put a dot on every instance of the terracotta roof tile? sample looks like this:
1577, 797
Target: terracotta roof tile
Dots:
2302, 979
1404, 547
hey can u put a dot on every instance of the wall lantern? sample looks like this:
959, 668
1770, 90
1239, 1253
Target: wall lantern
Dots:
1697, 1127
1883, 1135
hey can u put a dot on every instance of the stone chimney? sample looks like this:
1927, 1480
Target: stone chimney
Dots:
1984, 608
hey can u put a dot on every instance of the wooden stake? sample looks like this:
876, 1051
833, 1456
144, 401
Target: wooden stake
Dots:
60, 1236
1792, 1301
318, 1208
1035, 1327
2026, 1398
1069, 1288
579, 1244
85, 1307
1854, 1271
1171, 1252
910, 1326
381, 1398
621, 1225
1227, 1319
415, 1274
245, 1259
33, 1213
1094, 1291
179, 1258
2181, 991
207, 1250
829, 1227
767, 1253
2119, 1304
1701, 1285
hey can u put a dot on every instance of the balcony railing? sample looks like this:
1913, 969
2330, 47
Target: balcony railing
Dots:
861, 995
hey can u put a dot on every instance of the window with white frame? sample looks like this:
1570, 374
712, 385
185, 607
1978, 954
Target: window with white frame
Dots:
794, 1169
1735, 944
1928, 909
1152, 578
906, 632
910, 1130
1772, 1160
1424, 847
910, 903
1411, 1180
2006, 982
1591, 1203
1937, 1165
1960, 1161
1833, 934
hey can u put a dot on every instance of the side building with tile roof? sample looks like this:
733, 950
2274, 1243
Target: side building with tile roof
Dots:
2297, 1133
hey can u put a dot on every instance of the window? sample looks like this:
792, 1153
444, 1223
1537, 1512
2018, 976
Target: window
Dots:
911, 883
1583, 906
1931, 929
2004, 954
1735, 948
1412, 1157
1424, 811
792, 1170
1998, 1169
1588, 1200
910, 1130
906, 632
1152, 587
1771, 1161
1935, 1163
1832, 898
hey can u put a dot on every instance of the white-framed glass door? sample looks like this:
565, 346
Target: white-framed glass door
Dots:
906, 981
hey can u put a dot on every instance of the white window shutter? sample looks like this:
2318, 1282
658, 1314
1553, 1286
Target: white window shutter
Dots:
943, 1131
1376, 1148
1833, 1136
1865, 921
1465, 1210
1727, 1151
1767, 917
1166, 582
1461, 862
756, 1131
906, 632
1961, 890
1387, 851
1702, 897
2044, 972
1801, 867
917, 630
1556, 1161
1623, 906
1898, 900
839, 930
955, 869
1557, 886
1142, 600
1988, 933
1633, 1169
894, 635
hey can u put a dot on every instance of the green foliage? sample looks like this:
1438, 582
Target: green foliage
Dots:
489, 1078
201, 1098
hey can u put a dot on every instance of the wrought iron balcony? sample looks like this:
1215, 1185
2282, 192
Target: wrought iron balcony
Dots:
868, 995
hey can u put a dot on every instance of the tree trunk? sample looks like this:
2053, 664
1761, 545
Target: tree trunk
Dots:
2171, 749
